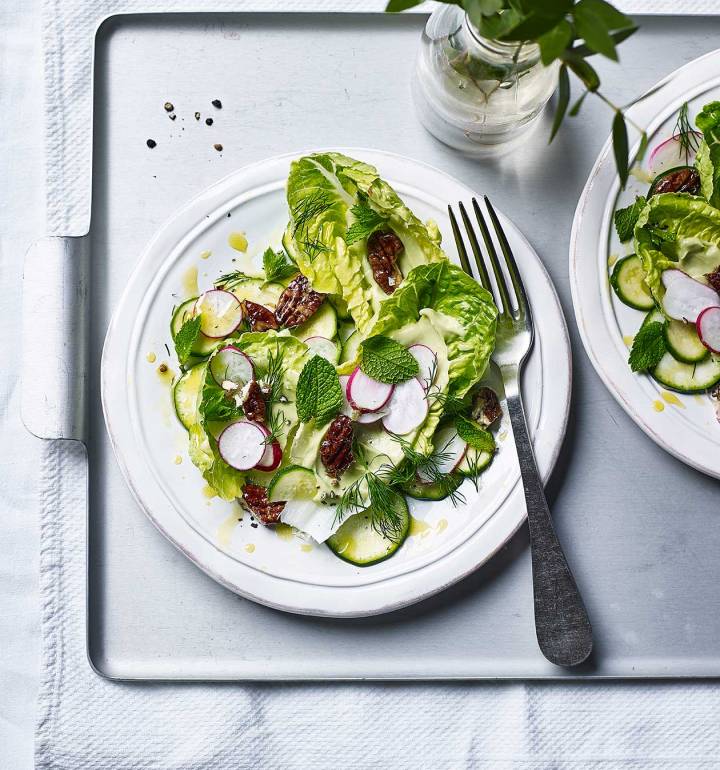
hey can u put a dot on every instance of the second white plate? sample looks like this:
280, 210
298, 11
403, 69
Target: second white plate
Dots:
288, 572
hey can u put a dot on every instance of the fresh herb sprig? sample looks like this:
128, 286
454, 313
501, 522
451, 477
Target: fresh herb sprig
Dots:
186, 338
277, 266
558, 28
367, 220
685, 134
304, 212
648, 347
375, 496
232, 279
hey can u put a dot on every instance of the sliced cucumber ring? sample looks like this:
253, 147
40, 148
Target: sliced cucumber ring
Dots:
684, 343
327, 349
628, 282
686, 378
259, 291
187, 393
474, 463
322, 324
350, 347
432, 490
292, 483
203, 345
359, 543
681, 338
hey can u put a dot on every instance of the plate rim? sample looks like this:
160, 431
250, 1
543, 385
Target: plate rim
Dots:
201, 559
602, 180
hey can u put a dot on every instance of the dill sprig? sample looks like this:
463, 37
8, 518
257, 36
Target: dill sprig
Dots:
451, 405
685, 134
375, 496
303, 213
232, 279
272, 385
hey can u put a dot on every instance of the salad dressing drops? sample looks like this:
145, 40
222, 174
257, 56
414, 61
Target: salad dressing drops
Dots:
226, 529
190, 282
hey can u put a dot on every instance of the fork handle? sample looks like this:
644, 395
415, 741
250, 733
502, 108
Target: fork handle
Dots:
562, 625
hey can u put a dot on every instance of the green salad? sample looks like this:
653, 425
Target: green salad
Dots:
673, 276
345, 377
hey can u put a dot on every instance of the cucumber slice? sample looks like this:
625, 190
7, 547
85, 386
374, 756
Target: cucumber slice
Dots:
203, 345
321, 324
681, 338
350, 348
628, 282
358, 543
686, 378
289, 246
259, 291
474, 463
292, 483
683, 342
187, 393
327, 349
433, 490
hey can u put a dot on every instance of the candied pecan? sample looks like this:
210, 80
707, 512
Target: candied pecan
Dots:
256, 501
259, 318
383, 250
486, 407
714, 279
685, 179
254, 402
336, 447
298, 302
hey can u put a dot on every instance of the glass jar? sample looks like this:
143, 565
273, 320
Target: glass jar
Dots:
477, 95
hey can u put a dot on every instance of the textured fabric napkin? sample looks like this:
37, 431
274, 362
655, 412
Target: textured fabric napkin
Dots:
87, 722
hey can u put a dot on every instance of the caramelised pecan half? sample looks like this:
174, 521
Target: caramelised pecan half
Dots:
336, 447
298, 302
384, 248
254, 402
685, 179
259, 318
714, 279
256, 501
486, 407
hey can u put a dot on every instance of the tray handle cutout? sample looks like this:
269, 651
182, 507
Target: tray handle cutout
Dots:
55, 338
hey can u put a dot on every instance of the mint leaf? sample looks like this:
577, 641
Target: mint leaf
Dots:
648, 347
216, 405
626, 218
385, 360
473, 435
367, 220
185, 338
277, 266
318, 392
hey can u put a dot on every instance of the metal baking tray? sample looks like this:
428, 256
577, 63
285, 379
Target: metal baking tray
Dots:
640, 529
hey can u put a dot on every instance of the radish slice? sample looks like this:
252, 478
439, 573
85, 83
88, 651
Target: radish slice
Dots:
230, 363
407, 408
220, 313
366, 394
242, 445
708, 328
427, 360
324, 347
685, 298
370, 417
272, 455
671, 153
449, 451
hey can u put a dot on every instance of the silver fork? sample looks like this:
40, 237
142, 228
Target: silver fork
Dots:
562, 625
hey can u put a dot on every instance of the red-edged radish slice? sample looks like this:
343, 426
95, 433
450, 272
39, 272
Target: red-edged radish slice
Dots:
324, 347
220, 313
242, 445
365, 418
231, 364
427, 361
708, 328
671, 153
407, 409
449, 451
366, 394
272, 456
685, 298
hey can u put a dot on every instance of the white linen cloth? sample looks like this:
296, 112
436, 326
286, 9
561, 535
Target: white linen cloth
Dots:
86, 722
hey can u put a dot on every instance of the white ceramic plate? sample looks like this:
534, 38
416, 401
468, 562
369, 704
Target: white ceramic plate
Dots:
684, 425
287, 571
